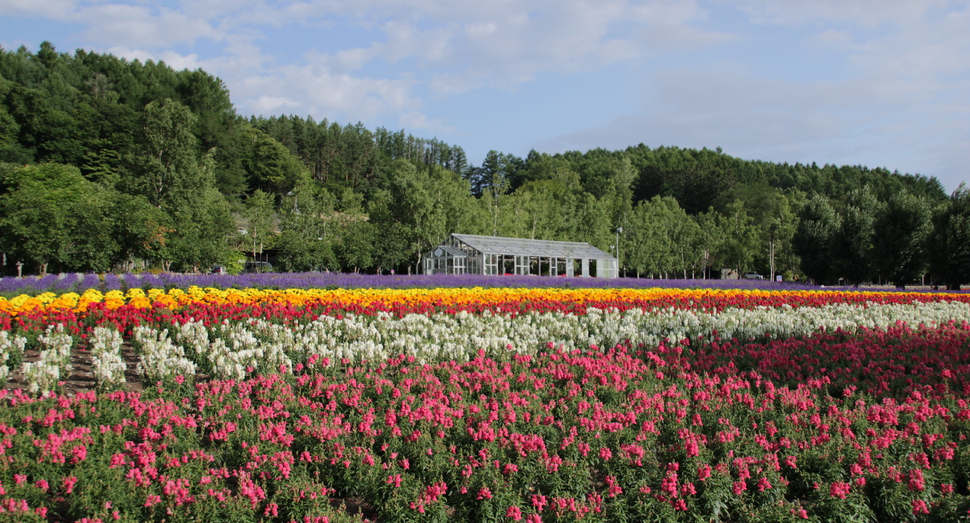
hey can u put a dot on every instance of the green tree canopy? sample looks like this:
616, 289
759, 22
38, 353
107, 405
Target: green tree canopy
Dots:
902, 228
51, 214
816, 238
950, 240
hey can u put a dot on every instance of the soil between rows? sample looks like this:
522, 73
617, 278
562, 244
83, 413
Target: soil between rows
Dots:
82, 376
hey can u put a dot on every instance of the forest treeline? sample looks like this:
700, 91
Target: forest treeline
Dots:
106, 164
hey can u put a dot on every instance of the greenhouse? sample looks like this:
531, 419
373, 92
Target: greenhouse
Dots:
490, 255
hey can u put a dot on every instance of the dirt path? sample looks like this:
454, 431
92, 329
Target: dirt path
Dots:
82, 377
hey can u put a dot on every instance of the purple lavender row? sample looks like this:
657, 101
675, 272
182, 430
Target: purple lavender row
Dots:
56, 283
316, 280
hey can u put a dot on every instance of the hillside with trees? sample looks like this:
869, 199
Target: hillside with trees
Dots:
109, 164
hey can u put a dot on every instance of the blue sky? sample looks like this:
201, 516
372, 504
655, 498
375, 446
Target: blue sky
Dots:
881, 83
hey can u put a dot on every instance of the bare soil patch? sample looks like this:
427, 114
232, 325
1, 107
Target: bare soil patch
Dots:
82, 376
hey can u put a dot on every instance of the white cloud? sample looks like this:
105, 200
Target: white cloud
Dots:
138, 26
832, 39
321, 92
419, 121
272, 104
867, 13
53, 9
172, 59
925, 47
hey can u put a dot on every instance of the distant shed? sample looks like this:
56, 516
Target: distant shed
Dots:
472, 254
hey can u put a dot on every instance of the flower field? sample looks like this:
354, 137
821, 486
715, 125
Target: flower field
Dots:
485, 404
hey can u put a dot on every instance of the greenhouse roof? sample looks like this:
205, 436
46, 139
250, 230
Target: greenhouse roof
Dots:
525, 247
450, 250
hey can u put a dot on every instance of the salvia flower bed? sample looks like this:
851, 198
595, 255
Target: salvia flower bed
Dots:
491, 405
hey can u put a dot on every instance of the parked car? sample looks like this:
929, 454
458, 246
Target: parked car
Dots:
218, 269
753, 276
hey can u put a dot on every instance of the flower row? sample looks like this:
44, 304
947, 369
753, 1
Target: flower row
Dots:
137, 306
565, 435
233, 349
63, 283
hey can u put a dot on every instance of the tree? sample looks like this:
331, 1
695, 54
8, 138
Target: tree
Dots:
496, 174
202, 226
51, 214
417, 205
780, 233
853, 253
771, 214
260, 220
140, 229
93, 244
167, 170
170, 174
588, 220
661, 239
270, 166
901, 230
305, 241
392, 247
215, 126
950, 240
355, 247
816, 237
356, 235
740, 239
709, 240
531, 212
686, 241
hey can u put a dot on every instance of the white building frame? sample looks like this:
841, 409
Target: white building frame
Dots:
493, 255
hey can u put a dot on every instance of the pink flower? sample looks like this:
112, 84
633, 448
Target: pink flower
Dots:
614, 487
916, 481
920, 507
69, 483
514, 512
703, 472
539, 502
839, 489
